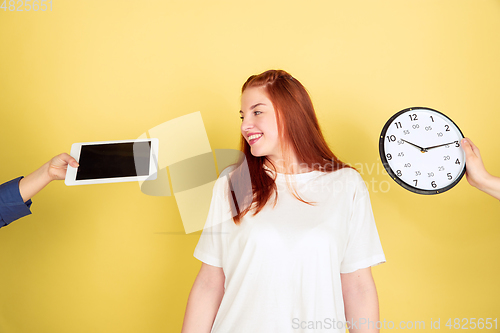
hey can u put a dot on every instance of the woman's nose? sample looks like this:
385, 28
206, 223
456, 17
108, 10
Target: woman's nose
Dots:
246, 124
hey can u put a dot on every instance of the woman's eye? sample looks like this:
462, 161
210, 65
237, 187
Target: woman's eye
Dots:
256, 113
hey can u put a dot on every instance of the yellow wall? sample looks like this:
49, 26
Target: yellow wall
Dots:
107, 258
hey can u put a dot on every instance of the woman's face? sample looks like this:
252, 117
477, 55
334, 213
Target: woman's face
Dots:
259, 126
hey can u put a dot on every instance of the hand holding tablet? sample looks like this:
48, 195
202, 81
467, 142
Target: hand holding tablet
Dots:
113, 162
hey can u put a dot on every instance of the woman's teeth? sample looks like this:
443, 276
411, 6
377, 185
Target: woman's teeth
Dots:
255, 136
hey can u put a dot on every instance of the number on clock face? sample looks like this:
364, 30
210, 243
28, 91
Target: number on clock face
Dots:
420, 148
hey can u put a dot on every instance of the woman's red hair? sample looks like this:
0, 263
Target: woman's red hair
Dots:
299, 133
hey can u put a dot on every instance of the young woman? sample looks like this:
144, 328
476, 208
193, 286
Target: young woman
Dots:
290, 236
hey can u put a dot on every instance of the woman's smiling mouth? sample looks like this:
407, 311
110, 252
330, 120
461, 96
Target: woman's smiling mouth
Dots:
253, 138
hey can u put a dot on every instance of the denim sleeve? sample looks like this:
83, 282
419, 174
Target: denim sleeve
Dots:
12, 206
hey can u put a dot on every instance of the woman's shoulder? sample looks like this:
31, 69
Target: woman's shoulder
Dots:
346, 173
348, 179
222, 182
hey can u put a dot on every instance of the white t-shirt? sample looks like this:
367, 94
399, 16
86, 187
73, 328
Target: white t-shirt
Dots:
283, 265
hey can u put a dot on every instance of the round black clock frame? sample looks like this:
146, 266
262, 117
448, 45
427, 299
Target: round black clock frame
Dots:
391, 172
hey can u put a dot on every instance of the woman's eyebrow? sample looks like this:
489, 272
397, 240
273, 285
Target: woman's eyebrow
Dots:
254, 106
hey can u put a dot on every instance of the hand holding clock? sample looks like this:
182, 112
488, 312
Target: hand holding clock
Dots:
476, 173
431, 173
437, 172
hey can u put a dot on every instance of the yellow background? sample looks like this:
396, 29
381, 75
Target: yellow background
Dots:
107, 258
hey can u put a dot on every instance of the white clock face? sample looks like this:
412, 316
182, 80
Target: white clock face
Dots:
420, 148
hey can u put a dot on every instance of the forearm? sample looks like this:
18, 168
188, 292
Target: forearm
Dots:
360, 301
363, 314
34, 182
491, 186
202, 306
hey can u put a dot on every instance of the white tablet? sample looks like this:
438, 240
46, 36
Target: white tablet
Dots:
113, 162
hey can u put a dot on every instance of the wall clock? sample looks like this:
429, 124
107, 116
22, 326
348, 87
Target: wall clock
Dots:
420, 149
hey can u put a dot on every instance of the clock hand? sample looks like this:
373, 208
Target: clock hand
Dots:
439, 145
423, 150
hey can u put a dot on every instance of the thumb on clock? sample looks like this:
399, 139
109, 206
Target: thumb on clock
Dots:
470, 149
476, 173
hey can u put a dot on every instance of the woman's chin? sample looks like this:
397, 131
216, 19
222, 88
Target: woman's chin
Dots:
257, 153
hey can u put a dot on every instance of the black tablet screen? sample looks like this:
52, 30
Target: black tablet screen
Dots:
113, 160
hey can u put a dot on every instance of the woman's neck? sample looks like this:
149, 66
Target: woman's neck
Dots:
292, 167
